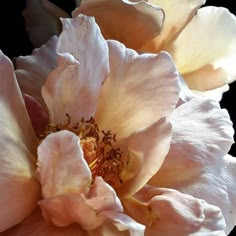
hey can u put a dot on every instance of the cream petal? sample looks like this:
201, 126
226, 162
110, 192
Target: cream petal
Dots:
61, 166
147, 150
20, 191
139, 91
168, 212
130, 22
177, 14
77, 80
32, 71
202, 136
201, 52
42, 20
35, 225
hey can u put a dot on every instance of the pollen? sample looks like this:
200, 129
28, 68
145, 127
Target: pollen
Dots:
100, 151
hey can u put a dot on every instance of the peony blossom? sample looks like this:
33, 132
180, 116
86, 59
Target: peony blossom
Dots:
121, 149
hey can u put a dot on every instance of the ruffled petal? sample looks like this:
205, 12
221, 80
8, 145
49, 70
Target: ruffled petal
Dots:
73, 87
202, 136
177, 14
205, 50
42, 20
61, 165
35, 225
130, 22
139, 91
168, 212
32, 71
19, 189
147, 150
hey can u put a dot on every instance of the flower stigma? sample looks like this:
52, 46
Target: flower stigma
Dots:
100, 153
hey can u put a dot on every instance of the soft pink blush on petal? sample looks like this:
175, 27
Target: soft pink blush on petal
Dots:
82, 68
35, 225
42, 20
207, 62
168, 212
32, 71
20, 190
202, 136
147, 150
139, 91
174, 23
132, 23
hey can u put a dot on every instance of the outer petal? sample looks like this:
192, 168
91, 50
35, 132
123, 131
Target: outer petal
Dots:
139, 91
207, 62
177, 14
147, 150
76, 82
168, 212
32, 71
202, 135
35, 225
130, 22
61, 165
19, 189
42, 20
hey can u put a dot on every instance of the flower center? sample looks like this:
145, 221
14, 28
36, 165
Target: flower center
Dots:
103, 158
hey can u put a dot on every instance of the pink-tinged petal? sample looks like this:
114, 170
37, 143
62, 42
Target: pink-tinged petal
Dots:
147, 150
35, 225
130, 22
207, 62
61, 165
168, 212
177, 14
19, 189
139, 91
202, 136
67, 209
42, 20
32, 71
74, 86
38, 115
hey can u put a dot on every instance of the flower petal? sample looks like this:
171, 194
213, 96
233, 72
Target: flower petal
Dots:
42, 20
61, 166
168, 212
139, 91
74, 86
130, 22
35, 225
32, 71
147, 150
207, 62
177, 14
202, 136
20, 190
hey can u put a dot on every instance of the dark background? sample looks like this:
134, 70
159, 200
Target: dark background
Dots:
14, 42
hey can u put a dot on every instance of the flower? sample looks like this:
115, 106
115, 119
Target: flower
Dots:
81, 165
195, 38
158, 191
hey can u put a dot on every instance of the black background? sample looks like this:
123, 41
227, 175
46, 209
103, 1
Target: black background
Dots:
14, 41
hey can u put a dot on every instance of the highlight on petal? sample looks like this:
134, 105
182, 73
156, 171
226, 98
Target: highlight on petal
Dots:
139, 91
17, 146
207, 62
61, 166
130, 22
195, 164
82, 67
42, 20
32, 71
147, 150
177, 14
169, 212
